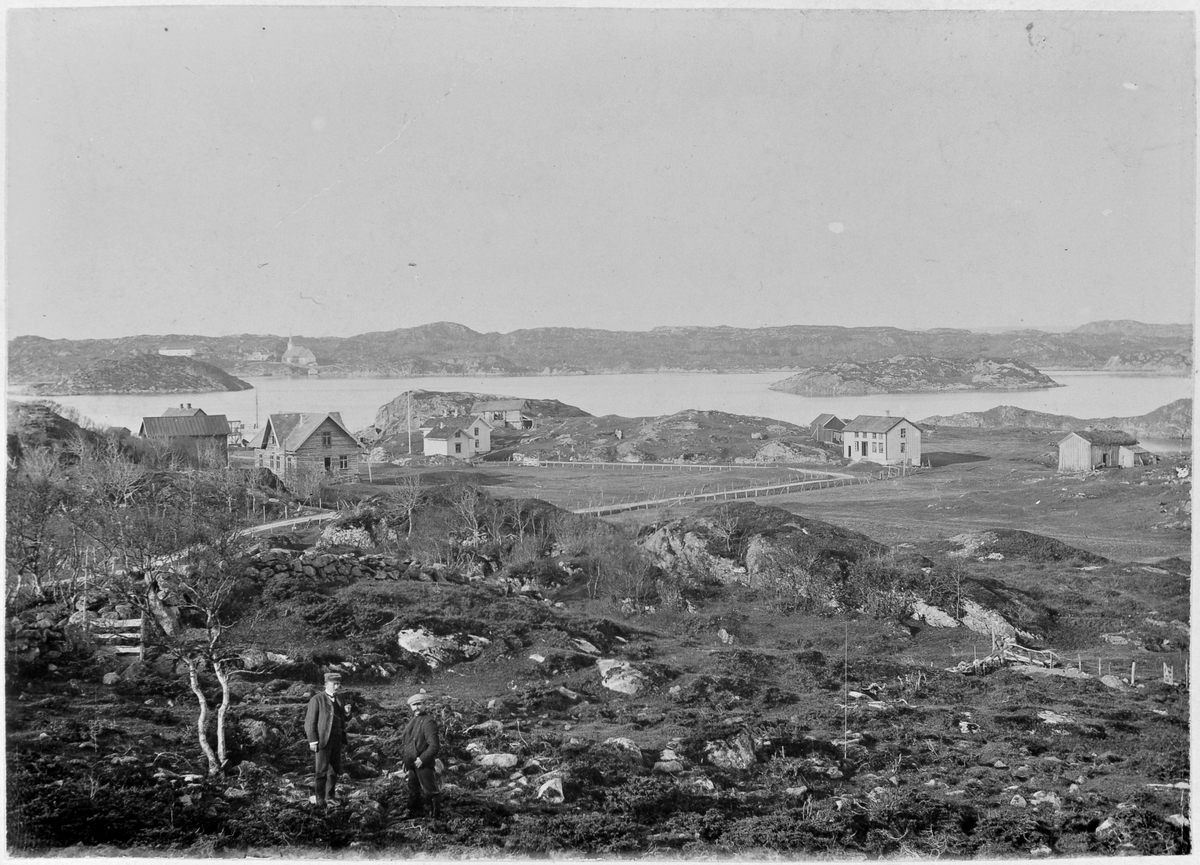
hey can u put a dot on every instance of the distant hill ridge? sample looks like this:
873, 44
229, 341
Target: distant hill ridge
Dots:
149, 373
447, 348
1173, 420
902, 374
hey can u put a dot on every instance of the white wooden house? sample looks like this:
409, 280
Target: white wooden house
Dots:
882, 439
1084, 450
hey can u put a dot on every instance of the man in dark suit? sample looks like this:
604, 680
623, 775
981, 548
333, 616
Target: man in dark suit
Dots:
325, 727
420, 744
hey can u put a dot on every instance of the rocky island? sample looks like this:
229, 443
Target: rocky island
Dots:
907, 374
1173, 420
147, 373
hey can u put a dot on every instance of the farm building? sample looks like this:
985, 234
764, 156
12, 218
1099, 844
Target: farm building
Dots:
177, 351
882, 439
190, 432
183, 411
258, 355
294, 442
1135, 455
1084, 450
458, 437
827, 428
297, 355
504, 413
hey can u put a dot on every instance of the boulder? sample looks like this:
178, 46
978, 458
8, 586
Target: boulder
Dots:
735, 753
112, 678
441, 651
499, 761
932, 616
622, 677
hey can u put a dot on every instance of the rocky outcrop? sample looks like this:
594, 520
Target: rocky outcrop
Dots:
411, 409
149, 373
1173, 420
904, 374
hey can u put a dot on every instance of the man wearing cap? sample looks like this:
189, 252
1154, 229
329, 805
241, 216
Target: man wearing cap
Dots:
420, 745
325, 727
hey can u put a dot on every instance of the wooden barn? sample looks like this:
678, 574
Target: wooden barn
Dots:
827, 428
1085, 450
293, 442
190, 432
504, 413
886, 440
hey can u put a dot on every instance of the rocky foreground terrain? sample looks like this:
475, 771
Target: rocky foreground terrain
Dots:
904, 374
446, 348
149, 373
745, 681
1173, 420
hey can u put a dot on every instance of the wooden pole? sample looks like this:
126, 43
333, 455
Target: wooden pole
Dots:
1132, 674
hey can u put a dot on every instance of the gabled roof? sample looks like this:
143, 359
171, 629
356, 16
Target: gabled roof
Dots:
499, 405
292, 429
182, 412
173, 427
448, 429
829, 421
876, 423
1103, 436
463, 422
258, 440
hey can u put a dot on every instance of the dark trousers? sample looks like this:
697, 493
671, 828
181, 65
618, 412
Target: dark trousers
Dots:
422, 785
327, 767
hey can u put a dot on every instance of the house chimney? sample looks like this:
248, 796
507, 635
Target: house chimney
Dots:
887, 412
189, 405
181, 405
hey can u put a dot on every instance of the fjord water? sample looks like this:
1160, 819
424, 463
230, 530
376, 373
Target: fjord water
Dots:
1083, 395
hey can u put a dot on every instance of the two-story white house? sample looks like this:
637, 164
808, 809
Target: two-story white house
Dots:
461, 437
886, 440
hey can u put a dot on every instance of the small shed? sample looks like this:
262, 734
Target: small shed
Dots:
827, 428
1129, 456
1084, 450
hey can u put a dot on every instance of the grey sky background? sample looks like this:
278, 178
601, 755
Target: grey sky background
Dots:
330, 171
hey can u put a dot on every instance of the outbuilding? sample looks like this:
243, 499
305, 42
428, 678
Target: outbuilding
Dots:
190, 432
827, 428
1085, 450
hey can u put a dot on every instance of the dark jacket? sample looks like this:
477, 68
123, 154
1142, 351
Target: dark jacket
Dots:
318, 720
420, 739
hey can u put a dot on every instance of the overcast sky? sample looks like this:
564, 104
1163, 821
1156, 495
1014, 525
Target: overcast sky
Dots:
330, 171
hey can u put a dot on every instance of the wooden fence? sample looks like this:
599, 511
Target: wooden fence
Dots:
119, 636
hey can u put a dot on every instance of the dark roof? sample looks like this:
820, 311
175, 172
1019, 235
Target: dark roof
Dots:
499, 405
1104, 436
829, 421
173, 427
182, 412
875, 423
446, 429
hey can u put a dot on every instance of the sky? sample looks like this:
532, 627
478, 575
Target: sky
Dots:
335, 170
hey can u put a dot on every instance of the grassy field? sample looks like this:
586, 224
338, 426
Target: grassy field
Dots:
978, 479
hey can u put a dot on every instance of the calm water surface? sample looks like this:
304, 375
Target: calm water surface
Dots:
1084, 395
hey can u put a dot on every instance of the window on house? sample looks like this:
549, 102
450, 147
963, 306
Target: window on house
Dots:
903, 430
458, 447
476, 432
901, 447
343, 462
326, 439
